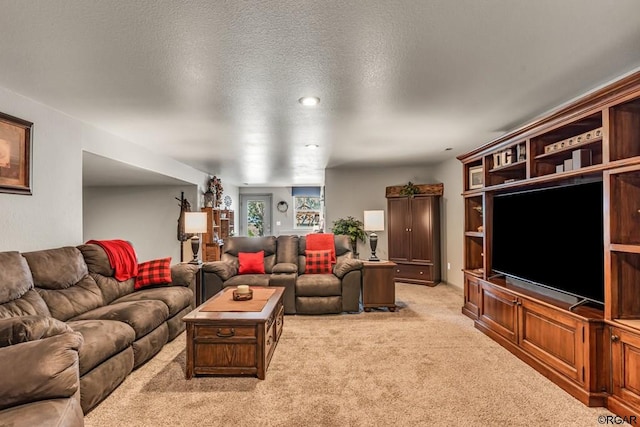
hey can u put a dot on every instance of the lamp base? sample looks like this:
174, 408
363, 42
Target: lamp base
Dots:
195, 248
373, 239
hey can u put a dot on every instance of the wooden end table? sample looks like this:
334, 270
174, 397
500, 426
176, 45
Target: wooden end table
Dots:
378, 285
233, 342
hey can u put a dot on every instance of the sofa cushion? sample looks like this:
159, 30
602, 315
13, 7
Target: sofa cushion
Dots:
15, 276
74, 300
248, 279
318, 285
142, 316
57, 268
318, 262
96, 259
175, 297
285, 267
153, 272
27, 379
102, 339
287, 249
251, 262
111, 288
31, 303
234, 245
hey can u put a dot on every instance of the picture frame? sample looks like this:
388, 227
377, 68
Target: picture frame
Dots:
476, 179
15, 155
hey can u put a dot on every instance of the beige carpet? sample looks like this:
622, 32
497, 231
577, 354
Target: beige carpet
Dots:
423, 365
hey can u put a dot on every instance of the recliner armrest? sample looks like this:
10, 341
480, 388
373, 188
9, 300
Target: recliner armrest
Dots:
183, 274
347, 265
222, 269
285, 267
19, 329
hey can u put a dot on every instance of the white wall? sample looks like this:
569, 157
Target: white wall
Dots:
452, 221
53, 216
349, 192
286, 219
146, 216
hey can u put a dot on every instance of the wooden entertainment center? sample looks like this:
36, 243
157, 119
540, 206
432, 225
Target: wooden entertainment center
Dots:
592, 352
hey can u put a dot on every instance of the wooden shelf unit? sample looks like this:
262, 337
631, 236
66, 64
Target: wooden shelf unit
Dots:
594, 354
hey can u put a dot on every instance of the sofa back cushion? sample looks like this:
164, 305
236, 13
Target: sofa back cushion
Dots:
234, 245
15, 276
62, 279
17, 295
101, 271
287, 249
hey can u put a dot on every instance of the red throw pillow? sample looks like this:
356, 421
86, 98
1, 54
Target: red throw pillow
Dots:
321, 242
154, 272
251, 262
318, 262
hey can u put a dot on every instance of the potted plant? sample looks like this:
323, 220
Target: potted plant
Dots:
354, 228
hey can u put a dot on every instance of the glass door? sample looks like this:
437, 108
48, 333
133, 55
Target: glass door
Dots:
255, 215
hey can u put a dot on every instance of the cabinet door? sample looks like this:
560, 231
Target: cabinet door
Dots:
471, 296
421, 229
625, 354
398, 235
498, 311
553, 337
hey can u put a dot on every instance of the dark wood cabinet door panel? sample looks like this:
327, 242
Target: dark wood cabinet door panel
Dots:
498, 311
398, 234
625, 351
422, 229
553, 337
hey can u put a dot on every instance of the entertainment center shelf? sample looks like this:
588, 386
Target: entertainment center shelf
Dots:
588, 342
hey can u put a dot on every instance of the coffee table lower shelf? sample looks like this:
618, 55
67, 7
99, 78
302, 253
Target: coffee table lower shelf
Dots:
233, 343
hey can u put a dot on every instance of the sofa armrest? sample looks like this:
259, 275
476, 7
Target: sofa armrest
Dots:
19, 329
45, 368
285, 267
347, 265
222, 269
183, 274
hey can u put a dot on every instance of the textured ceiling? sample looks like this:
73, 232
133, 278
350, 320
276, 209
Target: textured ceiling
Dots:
215, 84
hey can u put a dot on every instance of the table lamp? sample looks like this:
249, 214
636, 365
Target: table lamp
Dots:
195, 222
373, 221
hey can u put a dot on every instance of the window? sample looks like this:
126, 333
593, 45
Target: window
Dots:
307, 207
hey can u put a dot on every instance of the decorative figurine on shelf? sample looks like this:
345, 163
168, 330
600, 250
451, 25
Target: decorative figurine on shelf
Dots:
215, 187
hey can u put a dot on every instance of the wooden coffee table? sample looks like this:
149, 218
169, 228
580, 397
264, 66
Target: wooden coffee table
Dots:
233, 342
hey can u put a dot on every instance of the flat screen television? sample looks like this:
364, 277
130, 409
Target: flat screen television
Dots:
553, 238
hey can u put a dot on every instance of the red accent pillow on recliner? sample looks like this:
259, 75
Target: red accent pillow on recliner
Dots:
321, 242
318, 262
251, 262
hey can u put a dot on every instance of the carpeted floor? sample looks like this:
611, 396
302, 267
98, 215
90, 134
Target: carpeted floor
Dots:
423, 365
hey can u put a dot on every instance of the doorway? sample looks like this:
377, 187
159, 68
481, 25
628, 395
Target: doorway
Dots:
255, 215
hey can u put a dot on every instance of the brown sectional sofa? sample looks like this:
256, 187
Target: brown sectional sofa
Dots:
63, 307
284, 263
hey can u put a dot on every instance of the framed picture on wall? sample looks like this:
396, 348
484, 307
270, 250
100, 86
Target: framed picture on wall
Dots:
475, 177
15, 155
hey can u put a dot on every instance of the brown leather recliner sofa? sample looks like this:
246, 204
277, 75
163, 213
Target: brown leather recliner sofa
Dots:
78, 331
285, 262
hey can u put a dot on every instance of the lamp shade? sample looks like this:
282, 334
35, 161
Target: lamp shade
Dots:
374, 220
195, 222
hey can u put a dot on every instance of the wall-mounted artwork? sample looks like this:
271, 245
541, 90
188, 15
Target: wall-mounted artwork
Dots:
15, 155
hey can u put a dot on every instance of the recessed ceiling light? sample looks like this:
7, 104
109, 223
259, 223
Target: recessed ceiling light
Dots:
312, 146
309, 101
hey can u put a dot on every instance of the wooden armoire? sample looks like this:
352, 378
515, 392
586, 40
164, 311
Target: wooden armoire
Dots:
414, 233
